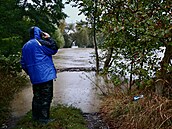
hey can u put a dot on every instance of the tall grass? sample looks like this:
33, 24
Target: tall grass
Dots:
150, 112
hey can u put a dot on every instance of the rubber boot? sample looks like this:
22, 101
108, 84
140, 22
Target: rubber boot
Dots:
35, 111
43, 94
44, 115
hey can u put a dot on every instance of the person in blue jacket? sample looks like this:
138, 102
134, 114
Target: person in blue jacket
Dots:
37, 62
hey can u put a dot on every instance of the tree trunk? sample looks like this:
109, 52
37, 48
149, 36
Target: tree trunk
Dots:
162, 76
95, 42
107, 63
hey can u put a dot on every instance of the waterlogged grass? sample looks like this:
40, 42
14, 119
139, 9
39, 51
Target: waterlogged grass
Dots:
65, 118
9, 85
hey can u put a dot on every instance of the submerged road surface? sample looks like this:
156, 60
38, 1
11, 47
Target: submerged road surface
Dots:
76, 88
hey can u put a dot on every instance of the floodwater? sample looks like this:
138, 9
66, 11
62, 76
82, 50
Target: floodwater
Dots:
77, 88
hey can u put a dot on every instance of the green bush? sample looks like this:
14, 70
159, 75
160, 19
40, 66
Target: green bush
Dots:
11, 64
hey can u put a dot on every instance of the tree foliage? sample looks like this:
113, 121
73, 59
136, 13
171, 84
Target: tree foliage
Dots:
44, 13
133, 31
16, 19
78, 33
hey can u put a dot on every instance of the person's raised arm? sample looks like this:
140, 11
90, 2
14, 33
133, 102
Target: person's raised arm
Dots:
48, 41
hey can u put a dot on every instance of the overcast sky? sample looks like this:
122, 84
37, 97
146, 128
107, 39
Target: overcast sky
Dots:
72, 13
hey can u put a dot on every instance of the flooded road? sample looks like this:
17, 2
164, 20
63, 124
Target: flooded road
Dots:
76, 88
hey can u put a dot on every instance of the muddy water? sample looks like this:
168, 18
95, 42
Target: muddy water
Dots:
74, 57
71, 88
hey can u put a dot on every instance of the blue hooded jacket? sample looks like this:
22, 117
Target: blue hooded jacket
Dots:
37, 60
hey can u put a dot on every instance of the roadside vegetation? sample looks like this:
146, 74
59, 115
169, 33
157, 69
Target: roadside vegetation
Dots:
120, 110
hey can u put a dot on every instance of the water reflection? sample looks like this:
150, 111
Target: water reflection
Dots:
76, 89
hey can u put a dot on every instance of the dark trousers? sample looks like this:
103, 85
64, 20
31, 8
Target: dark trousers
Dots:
43, 94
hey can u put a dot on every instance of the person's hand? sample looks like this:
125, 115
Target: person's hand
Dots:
45, 35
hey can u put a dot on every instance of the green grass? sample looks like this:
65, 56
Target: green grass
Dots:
65, 118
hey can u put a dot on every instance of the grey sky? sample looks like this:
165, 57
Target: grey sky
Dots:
72, 13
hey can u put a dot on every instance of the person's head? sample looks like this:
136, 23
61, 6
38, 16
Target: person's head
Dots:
35, 33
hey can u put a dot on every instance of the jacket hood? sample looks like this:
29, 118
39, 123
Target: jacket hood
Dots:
35, 33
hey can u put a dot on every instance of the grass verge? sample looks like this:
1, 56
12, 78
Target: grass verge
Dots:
151, 112
65, 118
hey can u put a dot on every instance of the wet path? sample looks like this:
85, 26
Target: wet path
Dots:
75, 85
74, 88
